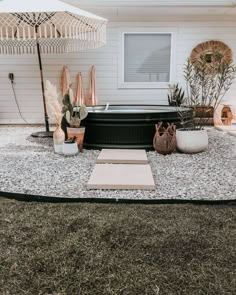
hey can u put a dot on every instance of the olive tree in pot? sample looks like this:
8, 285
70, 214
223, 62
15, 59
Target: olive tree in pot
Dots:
207, 83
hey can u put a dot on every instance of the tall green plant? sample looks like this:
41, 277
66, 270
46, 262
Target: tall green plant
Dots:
175, 95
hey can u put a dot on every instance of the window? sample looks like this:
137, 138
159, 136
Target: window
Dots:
146, 60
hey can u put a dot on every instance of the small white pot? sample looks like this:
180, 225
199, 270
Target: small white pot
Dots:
70, 149
191, 141
58, 148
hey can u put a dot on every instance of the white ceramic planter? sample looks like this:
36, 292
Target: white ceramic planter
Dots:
191, 141
70, 149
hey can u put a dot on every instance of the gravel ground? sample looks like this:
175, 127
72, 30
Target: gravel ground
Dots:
29, 165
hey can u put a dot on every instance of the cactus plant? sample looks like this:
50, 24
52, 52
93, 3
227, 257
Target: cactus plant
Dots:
73, 115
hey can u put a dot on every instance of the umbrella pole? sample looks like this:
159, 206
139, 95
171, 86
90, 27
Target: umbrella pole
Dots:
46, 133
43, 89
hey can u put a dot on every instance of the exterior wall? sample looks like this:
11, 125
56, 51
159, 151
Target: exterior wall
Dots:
106, 60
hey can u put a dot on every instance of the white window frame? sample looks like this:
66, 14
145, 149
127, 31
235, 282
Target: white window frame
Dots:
121, 61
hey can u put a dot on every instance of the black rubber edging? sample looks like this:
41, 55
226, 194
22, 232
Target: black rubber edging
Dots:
47, 199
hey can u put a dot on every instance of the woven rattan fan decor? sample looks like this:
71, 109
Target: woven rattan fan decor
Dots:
208, 51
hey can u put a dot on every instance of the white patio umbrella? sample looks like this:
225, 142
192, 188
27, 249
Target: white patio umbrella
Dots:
47, 26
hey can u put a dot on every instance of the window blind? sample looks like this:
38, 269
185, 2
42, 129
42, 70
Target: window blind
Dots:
147, 57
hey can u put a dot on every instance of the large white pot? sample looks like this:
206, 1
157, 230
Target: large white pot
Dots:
191, 141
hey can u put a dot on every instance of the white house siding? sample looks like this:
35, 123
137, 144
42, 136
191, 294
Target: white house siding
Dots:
106, 59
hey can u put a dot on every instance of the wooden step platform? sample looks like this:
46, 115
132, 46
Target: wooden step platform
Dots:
121, 176
122, 156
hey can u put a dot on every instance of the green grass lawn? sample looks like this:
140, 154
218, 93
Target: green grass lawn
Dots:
104, 249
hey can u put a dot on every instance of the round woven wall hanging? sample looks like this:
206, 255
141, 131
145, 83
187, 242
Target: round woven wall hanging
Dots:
208, 51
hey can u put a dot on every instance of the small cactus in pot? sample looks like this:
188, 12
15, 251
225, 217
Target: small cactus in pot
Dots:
79, 114
73, 115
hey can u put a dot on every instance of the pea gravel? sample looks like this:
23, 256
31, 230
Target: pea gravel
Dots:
29, 165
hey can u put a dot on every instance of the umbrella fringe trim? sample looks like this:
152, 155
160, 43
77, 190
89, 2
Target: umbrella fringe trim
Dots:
9, 49
23, 39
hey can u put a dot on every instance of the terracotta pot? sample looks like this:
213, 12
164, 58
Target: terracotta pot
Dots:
164, 141
58, 139
79, 134
191, 141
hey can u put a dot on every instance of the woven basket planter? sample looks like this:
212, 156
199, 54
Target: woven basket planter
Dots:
164, 141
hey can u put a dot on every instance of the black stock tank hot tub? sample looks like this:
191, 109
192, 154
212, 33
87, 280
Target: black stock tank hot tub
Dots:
126, 126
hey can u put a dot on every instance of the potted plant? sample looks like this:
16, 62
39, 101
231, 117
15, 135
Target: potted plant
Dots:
70, 147
176, 95
72, 117
207, 84
164, 141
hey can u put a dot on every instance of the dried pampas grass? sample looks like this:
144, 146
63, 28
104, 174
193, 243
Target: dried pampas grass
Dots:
55, 105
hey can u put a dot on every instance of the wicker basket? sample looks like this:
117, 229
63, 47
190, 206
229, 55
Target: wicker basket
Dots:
164, 141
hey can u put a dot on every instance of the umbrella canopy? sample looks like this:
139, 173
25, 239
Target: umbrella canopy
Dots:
58, 27
47, 26
92, 96
65, 80
79, 91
